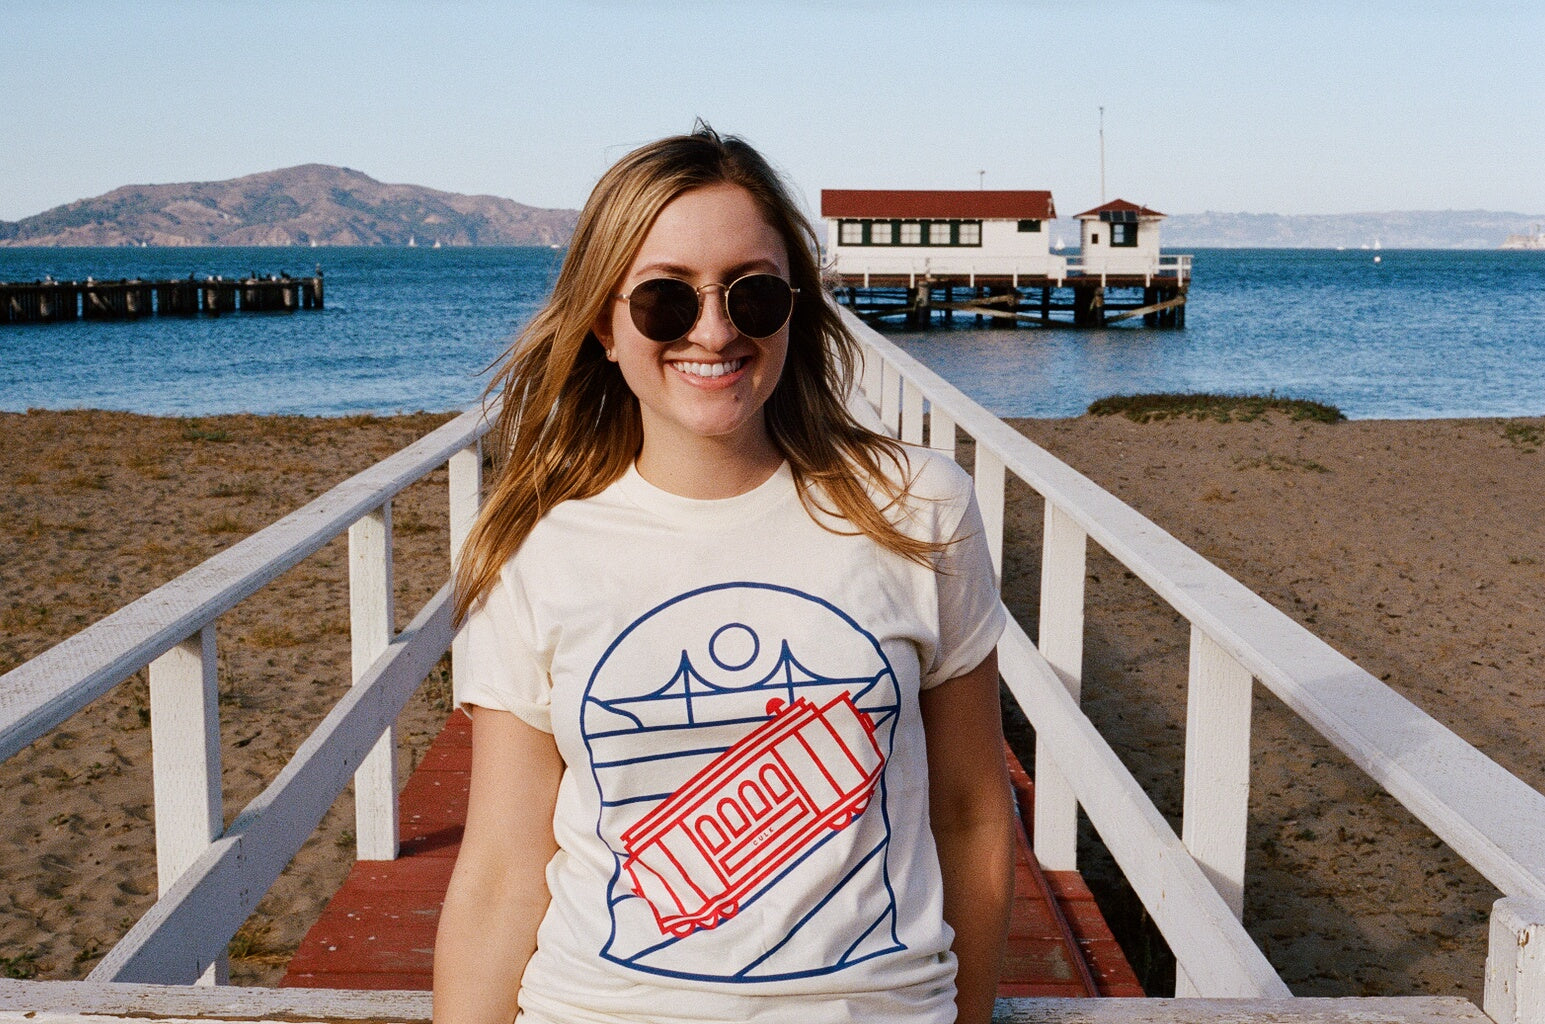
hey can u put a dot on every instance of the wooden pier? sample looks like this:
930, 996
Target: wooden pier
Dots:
51, 301
1088, 300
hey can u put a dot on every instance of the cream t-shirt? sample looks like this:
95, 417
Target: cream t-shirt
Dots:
742, 823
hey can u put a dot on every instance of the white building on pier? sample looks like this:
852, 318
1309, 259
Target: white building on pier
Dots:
937, 232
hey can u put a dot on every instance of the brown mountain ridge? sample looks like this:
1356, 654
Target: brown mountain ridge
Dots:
312, 203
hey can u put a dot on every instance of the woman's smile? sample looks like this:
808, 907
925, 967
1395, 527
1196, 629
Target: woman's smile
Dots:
710, 373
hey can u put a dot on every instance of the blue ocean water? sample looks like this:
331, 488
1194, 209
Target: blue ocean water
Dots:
1422, 333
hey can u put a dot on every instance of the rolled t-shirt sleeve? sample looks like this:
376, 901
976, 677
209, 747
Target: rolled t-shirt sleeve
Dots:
506, 668
971, 615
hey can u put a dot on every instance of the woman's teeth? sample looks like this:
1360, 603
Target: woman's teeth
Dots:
710, 369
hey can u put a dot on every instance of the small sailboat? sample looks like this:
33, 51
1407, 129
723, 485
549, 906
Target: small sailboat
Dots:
436, 245
412, 242
1059, 244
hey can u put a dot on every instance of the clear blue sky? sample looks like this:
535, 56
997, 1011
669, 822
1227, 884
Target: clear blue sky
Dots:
1302, 107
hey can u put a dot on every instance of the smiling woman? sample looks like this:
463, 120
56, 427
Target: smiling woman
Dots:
729, 655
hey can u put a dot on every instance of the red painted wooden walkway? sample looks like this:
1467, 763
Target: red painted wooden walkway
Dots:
378, 930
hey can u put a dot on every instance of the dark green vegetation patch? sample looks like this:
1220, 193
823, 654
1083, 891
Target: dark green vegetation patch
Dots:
1223, 408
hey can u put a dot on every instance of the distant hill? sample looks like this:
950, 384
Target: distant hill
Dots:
295, 206
1415, 229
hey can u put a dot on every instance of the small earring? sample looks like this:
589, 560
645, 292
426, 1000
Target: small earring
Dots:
611, 355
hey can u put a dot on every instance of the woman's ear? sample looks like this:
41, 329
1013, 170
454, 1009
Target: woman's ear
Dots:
603, 338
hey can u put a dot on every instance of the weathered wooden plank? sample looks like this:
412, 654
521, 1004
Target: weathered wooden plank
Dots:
189, 927
1064, 556
148, 1002
941, 431
890, 398
1377, 1010
911, 413
1489, 817
43, 692
185, 753
68, 1002
185, 749
1208, 941
1515, 962
1217, 777
371, 617
988, 479
466, 494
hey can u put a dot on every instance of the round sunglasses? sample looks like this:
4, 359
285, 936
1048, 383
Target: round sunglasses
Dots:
665, 308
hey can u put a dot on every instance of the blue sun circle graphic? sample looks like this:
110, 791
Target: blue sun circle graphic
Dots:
734, 646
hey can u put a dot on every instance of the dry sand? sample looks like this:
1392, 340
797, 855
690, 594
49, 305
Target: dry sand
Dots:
1413, 547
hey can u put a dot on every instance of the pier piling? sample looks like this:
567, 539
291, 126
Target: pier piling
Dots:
49, 301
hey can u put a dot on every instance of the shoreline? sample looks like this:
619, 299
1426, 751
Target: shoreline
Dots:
1439, 593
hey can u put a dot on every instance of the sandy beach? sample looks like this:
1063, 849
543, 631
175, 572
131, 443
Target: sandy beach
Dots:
1411, 546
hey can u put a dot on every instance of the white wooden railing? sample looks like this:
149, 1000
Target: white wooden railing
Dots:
968, 265
211, 879
1193, 884
1055, 268
1174, 267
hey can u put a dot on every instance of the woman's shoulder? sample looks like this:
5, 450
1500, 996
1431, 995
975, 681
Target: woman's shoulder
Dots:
932, 493
932, 476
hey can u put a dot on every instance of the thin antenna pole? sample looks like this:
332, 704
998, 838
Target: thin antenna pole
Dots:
1102, 156
981, 179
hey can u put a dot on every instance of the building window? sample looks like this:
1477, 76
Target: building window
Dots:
970, 232
1030, 225
1094, 238
939, 233
911, 233
850, 232
880, 233
1123, 235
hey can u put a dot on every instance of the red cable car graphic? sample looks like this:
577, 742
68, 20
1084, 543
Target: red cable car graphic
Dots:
727, 830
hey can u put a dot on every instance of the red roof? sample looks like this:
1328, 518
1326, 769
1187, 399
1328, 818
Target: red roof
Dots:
984, 204
1117, 205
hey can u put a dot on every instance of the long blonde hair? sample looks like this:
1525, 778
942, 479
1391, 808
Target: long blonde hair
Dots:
569, 426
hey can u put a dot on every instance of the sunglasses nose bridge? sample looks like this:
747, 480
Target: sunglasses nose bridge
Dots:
725, 330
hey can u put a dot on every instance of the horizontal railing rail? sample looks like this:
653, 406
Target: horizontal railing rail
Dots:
878, 264
1166, 267
1489, 817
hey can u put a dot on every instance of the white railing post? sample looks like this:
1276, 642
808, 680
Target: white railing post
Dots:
872, 379
1515, 962
1064, 548
911, 412
466, 491
371, 626
941, 430
185, 759
1216, 806
989, 497
890, 399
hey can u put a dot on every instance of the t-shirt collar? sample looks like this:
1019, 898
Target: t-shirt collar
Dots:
765, 495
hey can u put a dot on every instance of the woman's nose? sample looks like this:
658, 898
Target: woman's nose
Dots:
713, 329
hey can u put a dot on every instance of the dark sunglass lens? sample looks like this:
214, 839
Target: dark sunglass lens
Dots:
760, 304
663, 309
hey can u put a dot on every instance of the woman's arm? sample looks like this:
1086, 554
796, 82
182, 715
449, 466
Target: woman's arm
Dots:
498, 892
972, 811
